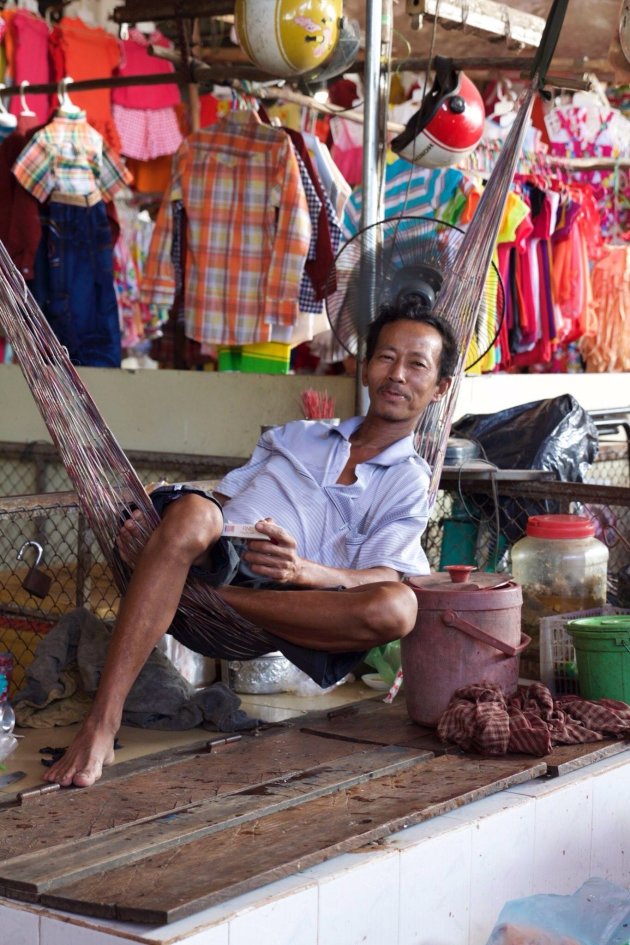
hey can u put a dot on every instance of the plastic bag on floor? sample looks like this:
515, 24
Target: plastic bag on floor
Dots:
597, 914
385, 660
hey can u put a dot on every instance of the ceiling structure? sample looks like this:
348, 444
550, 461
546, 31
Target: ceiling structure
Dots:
588, 29
584, 45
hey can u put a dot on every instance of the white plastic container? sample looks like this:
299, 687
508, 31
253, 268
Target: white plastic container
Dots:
562, 567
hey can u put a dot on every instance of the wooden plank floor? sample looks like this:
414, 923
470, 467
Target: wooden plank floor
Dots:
166, 835
215, 868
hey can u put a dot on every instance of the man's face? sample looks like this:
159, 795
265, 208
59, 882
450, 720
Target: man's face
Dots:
402, 374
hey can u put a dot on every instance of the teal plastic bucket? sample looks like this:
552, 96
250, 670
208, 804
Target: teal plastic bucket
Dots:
602, 649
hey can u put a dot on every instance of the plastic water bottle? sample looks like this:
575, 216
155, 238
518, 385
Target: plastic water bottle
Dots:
7, 718
7, 715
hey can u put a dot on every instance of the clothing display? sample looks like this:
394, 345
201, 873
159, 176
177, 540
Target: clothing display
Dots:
145, 116
247, 213
605, 345
26, 44
83, 51
70, 157
20, 227
252, 211
415, 191
147, 135
68, 165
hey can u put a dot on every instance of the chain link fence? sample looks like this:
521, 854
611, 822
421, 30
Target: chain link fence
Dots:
477, 518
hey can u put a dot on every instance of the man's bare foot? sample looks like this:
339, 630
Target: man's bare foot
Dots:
82, 763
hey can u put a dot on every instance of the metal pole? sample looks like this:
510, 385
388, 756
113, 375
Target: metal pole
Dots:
373, 143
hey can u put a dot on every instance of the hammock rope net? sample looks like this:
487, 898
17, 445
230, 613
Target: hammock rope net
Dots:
107, 486
462, 292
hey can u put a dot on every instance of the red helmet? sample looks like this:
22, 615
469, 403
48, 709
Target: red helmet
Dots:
449, 123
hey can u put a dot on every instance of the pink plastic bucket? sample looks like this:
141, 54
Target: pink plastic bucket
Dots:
465, 633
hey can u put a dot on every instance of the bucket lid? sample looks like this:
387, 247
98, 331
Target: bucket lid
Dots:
560, 526
441, 581
606, 623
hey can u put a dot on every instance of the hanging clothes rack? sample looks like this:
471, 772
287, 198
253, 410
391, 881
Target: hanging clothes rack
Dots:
88, 85
205, 74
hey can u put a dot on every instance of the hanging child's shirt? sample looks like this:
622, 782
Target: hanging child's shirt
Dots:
68, 155
248, 235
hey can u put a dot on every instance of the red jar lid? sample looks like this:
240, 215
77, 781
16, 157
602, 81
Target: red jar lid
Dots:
560, 526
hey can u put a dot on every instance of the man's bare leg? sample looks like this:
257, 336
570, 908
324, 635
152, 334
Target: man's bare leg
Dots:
189, 526
357, 618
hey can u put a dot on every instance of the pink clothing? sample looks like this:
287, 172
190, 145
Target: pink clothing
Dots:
30, 50
145, 135
135, 60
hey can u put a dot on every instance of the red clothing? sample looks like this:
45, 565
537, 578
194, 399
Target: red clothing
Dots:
135, 60
20, 229
84, 52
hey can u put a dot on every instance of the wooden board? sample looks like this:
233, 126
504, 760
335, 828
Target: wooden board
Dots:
206, 871
136, 794
566, 758
374, 722
166, 835
29, 874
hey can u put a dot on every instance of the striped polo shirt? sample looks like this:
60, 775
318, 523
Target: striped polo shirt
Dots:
374, 522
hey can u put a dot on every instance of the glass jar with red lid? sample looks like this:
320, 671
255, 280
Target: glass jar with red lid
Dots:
562, 568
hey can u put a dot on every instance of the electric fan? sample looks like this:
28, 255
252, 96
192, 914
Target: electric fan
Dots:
405, 257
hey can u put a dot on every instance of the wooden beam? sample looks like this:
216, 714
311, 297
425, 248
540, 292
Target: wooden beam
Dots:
135, 11
482, 18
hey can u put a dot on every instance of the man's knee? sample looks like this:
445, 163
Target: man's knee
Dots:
391, 611
191, 523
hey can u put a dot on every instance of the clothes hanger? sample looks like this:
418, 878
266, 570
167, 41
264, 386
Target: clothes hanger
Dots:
7, 120
26, 112
67, 108
504, 111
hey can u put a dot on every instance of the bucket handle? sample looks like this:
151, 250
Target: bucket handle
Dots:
451, 619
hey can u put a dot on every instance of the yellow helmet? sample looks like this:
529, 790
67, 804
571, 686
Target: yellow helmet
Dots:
287, 37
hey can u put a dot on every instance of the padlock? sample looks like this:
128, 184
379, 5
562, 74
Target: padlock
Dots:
36, 582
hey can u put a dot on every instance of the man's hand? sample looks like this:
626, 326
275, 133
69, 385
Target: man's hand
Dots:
276, 559
132, 537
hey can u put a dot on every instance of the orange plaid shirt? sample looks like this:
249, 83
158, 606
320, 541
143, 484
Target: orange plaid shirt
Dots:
248, 232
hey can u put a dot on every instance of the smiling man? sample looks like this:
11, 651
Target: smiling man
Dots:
340, 511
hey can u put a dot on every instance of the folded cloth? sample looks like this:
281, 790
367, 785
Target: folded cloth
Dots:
67, 666
480, 718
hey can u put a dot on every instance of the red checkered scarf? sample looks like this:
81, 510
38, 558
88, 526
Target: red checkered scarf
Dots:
479, 718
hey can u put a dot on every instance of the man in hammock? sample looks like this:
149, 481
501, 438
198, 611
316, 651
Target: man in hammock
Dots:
340, 511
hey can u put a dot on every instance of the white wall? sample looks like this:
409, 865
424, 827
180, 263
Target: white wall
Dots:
221, 414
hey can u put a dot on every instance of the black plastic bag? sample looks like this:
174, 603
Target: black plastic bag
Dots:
555, 434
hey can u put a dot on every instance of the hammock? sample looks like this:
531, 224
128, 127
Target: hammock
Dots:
105, 482
462, 291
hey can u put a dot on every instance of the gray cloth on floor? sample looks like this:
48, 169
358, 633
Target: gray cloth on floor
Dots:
70, 658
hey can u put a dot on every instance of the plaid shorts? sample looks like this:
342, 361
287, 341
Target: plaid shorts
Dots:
324, 668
